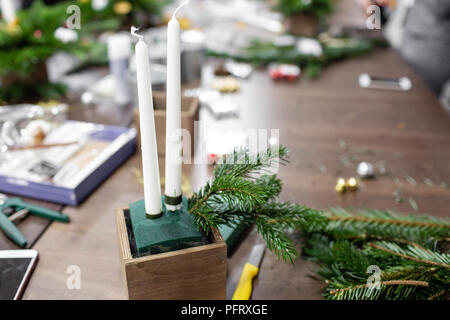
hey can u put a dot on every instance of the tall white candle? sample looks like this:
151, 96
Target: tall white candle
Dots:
8, 10
173, 117
150, 169
119, 50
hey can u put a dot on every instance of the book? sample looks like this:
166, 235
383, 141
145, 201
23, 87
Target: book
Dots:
72, 161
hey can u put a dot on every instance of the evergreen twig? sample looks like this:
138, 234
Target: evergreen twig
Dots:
417, 254
387, 225
437, 294
388, 221
383, 283
244, 191
346, 255
261, 53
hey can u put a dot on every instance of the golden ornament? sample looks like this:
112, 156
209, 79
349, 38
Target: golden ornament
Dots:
122, 7
341, 185
352, 184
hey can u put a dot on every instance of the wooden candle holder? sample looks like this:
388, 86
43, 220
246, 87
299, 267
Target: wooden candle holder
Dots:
189, 114
197, 273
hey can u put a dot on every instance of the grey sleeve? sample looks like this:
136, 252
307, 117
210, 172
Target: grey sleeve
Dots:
439, 8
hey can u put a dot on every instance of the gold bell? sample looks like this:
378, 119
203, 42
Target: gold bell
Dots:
352, 184
341, 185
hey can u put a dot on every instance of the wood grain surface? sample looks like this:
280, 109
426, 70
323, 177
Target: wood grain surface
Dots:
197, 273
329, 124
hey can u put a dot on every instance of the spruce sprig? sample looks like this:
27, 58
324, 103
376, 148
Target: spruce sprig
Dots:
350, 244
386, 225
244, 191
261, 52
415, 253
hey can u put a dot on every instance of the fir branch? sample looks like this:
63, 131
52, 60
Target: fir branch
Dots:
292, 216
387, 225
389, 221
407, 272
243, 192
437, 294
276, 240
275, 219
344, 264
368, 291
414, 254
366, 237
261, 53
230, 189
241, 163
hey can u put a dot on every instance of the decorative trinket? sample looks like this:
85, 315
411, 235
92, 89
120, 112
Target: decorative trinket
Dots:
365, 170
341, 185
284, 72
352, 184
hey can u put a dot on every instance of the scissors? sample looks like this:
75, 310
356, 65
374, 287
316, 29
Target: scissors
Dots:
9, 205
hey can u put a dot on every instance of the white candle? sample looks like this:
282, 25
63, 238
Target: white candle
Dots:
8, 11
150, 169
119, 50
173, 117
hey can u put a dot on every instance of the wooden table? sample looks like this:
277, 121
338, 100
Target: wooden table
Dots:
329, 124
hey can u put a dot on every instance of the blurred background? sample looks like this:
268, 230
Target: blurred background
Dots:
34, 33
78, 55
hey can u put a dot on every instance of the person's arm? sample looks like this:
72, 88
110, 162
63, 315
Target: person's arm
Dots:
439, 8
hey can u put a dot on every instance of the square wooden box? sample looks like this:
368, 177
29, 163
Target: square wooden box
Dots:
189, 114
197, 273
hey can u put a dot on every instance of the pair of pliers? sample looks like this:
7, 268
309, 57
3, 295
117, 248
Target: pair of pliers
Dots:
17, 204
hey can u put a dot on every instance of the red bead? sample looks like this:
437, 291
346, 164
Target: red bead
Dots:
37, 33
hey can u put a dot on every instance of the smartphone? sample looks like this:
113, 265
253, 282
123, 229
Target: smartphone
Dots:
16, 267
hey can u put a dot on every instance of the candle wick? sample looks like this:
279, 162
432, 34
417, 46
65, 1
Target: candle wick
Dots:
134, 33
179, 7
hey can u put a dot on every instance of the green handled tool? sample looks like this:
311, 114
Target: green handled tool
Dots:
16, 203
